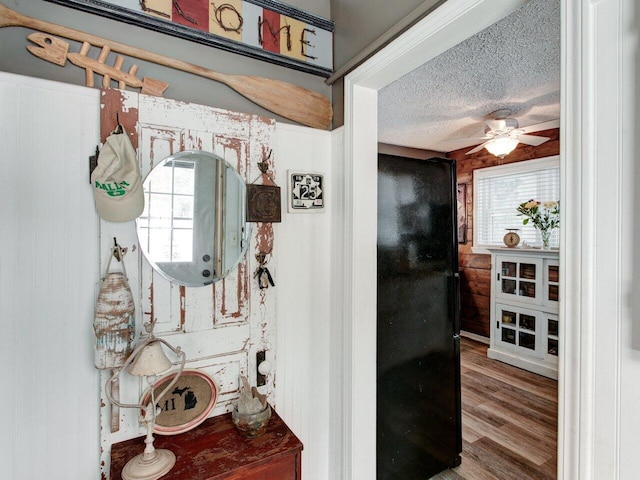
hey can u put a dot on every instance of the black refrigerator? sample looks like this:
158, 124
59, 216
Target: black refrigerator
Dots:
419, 429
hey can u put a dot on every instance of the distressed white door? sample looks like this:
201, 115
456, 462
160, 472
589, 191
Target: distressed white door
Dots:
221, 327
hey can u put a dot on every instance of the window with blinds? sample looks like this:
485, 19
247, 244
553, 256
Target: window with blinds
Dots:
497, 192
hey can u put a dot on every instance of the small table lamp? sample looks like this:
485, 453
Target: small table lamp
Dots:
148, 360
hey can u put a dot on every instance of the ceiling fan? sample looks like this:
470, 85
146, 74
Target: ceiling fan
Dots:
502, 134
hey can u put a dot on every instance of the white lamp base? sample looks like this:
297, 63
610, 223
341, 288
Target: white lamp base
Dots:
152, 468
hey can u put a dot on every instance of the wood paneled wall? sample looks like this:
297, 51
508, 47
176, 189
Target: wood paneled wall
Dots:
475, 269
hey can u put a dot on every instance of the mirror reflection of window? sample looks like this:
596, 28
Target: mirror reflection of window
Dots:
193, 230
169, 211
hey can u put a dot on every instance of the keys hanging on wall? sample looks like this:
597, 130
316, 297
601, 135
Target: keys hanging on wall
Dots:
262, 273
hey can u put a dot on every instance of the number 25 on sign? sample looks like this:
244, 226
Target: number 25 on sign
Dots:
306, 192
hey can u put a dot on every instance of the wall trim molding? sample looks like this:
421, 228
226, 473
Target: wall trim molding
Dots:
571, 404
49, 84
337, 382
475, 337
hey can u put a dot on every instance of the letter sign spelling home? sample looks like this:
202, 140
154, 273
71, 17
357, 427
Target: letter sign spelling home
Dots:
263, 29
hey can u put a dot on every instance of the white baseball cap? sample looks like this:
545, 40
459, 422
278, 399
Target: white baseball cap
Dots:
117, 184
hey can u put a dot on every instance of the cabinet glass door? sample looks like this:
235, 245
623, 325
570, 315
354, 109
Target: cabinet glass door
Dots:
519, 329
508, 324
519, 279
509, 277
552, 283
552, 336
528, 276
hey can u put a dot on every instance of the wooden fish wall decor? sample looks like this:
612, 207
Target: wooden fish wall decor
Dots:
55, 50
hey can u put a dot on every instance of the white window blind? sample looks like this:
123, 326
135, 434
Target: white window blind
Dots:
497, 192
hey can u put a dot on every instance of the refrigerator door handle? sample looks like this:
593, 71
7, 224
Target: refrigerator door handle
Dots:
456, 314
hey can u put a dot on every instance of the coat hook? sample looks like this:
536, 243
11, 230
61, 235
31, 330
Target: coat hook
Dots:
119, 128
118, 251
264, 164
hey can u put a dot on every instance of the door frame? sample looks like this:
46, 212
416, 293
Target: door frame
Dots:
447, 26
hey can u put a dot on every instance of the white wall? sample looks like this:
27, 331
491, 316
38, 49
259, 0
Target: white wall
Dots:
49, 277
48, 280
601, 110
303, 307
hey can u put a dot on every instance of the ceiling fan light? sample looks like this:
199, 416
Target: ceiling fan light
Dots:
501, 147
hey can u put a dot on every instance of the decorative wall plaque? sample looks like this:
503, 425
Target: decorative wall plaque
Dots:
305, 192
187, 406
263, 203
263, 29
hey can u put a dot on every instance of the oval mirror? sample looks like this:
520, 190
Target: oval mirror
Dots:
193, 229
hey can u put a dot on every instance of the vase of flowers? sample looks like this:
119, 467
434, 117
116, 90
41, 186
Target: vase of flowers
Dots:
545, 216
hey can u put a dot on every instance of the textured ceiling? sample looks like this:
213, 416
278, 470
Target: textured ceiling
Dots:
513, 64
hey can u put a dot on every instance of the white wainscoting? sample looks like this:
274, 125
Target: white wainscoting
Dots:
49, 277
303, 305
48, 280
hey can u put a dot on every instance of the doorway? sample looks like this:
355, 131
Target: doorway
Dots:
444, 28
478, 80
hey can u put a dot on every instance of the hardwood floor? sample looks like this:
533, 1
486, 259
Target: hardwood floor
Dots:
509, 421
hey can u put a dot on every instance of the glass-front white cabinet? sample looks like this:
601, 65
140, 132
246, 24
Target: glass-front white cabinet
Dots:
524, 309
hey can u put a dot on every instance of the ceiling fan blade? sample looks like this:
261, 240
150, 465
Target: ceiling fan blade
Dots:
477, 149
496, 124
459, 143
469, 140
533, 140
542, 126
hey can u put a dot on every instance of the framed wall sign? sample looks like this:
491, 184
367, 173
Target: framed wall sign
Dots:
263, 29
462, 213
305, 192
187, 406
263, 203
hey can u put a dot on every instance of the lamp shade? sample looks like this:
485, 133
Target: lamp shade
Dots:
150, 361
502, 146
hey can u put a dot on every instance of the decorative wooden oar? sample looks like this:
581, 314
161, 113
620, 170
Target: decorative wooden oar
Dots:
290, 101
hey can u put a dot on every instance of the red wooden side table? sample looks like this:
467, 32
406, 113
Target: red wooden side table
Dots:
216, 451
